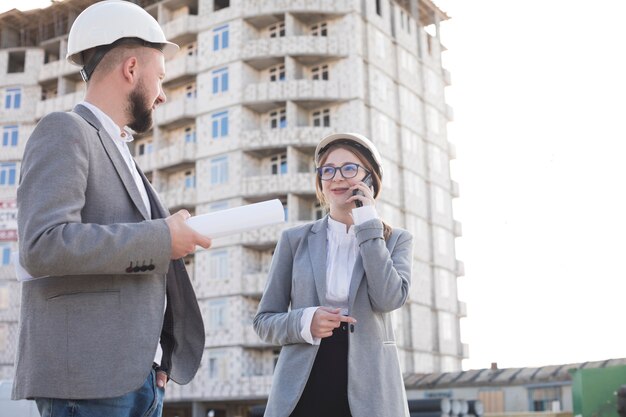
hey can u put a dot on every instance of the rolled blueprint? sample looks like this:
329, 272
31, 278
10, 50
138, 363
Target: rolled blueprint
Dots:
238, 219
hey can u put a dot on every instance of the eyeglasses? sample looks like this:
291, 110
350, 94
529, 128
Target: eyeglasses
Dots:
349, 170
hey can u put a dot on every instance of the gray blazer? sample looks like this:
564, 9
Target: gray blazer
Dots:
91, 328
380, 284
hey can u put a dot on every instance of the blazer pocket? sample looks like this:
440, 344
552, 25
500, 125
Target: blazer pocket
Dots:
389, 343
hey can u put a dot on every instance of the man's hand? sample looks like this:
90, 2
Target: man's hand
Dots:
184, 238
161, 378
326, 319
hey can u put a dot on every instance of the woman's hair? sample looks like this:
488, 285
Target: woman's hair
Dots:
376, 181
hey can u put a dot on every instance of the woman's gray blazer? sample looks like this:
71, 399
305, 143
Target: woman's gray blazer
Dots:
380, 284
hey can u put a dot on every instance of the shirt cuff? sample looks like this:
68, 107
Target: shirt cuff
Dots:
363, 214
305, 322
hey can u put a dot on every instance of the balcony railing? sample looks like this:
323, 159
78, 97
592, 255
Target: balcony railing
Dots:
296, 46
264, 7
177, 111
296, 90
177, 29
181, 67
180, 197
62, 103
281, 138
278, 184
176, 154
253, 284
55, 69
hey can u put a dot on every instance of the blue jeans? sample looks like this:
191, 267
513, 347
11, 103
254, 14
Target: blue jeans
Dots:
147, 401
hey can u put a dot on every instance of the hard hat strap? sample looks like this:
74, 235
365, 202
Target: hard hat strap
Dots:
87, 71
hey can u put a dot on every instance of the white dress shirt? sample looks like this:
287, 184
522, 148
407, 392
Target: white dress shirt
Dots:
342, 250
121, 138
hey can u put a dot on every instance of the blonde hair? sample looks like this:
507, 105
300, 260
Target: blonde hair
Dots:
376, 180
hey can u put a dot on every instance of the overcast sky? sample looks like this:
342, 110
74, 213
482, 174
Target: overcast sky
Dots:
538, 91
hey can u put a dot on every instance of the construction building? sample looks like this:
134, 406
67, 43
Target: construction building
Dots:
254, 87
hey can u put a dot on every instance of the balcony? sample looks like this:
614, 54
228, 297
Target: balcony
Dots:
266, 237
265, 7
455, 189
15, 153
304, 137
61, 103
457, 229
56, 69
256, 52
147, 162
462, 309
257, 96
184, 66
252, 285
257, 186
181, 30
176, 113
460, 268
175, 155
178, 198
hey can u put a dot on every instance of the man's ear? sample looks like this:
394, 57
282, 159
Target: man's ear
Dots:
130, 68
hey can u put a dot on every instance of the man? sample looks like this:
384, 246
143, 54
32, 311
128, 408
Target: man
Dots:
114, 314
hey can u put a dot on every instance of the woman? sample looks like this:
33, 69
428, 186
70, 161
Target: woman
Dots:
331, 288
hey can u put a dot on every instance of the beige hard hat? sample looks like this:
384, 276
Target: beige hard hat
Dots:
108, 23
356, 140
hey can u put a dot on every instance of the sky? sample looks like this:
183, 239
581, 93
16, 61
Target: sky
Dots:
538, 92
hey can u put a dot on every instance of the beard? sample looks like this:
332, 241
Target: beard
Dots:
140, 112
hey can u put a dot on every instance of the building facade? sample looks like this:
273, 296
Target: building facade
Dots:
254, 87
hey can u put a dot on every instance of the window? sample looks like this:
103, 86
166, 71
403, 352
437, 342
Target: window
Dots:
277, 30
5, 253
283, 201
545, 399
17, 62
218, 310
190, 180
144, 148
190, 91
220, 4
442, 242
321, 118
190, 134
218, 264
318, 211
379, 11
218, 364
320, 72
192, 49
13, 98
220, 38
219, 124
4, 296
219, 170
320, 29
7, 174
278, 119
279, 164
220, 80
277, 73
9, 136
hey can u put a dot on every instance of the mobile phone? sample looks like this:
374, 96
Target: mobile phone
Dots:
367, 180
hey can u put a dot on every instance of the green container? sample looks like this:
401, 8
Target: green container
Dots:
594, 391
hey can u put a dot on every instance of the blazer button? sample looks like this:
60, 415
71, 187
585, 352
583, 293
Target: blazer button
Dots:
130, 268
151, 267
144, 268
137, 269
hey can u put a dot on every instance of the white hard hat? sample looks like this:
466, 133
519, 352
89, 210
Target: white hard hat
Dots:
109, 21
355, 140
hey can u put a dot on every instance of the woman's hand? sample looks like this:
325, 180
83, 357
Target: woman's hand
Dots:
326, 319
365, 194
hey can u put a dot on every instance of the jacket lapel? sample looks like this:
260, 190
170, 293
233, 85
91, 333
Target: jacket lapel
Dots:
116, 159
158, 210
317, 251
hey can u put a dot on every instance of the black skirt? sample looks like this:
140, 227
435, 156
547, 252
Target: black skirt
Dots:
326, 391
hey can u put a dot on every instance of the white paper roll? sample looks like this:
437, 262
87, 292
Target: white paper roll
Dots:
238, 219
